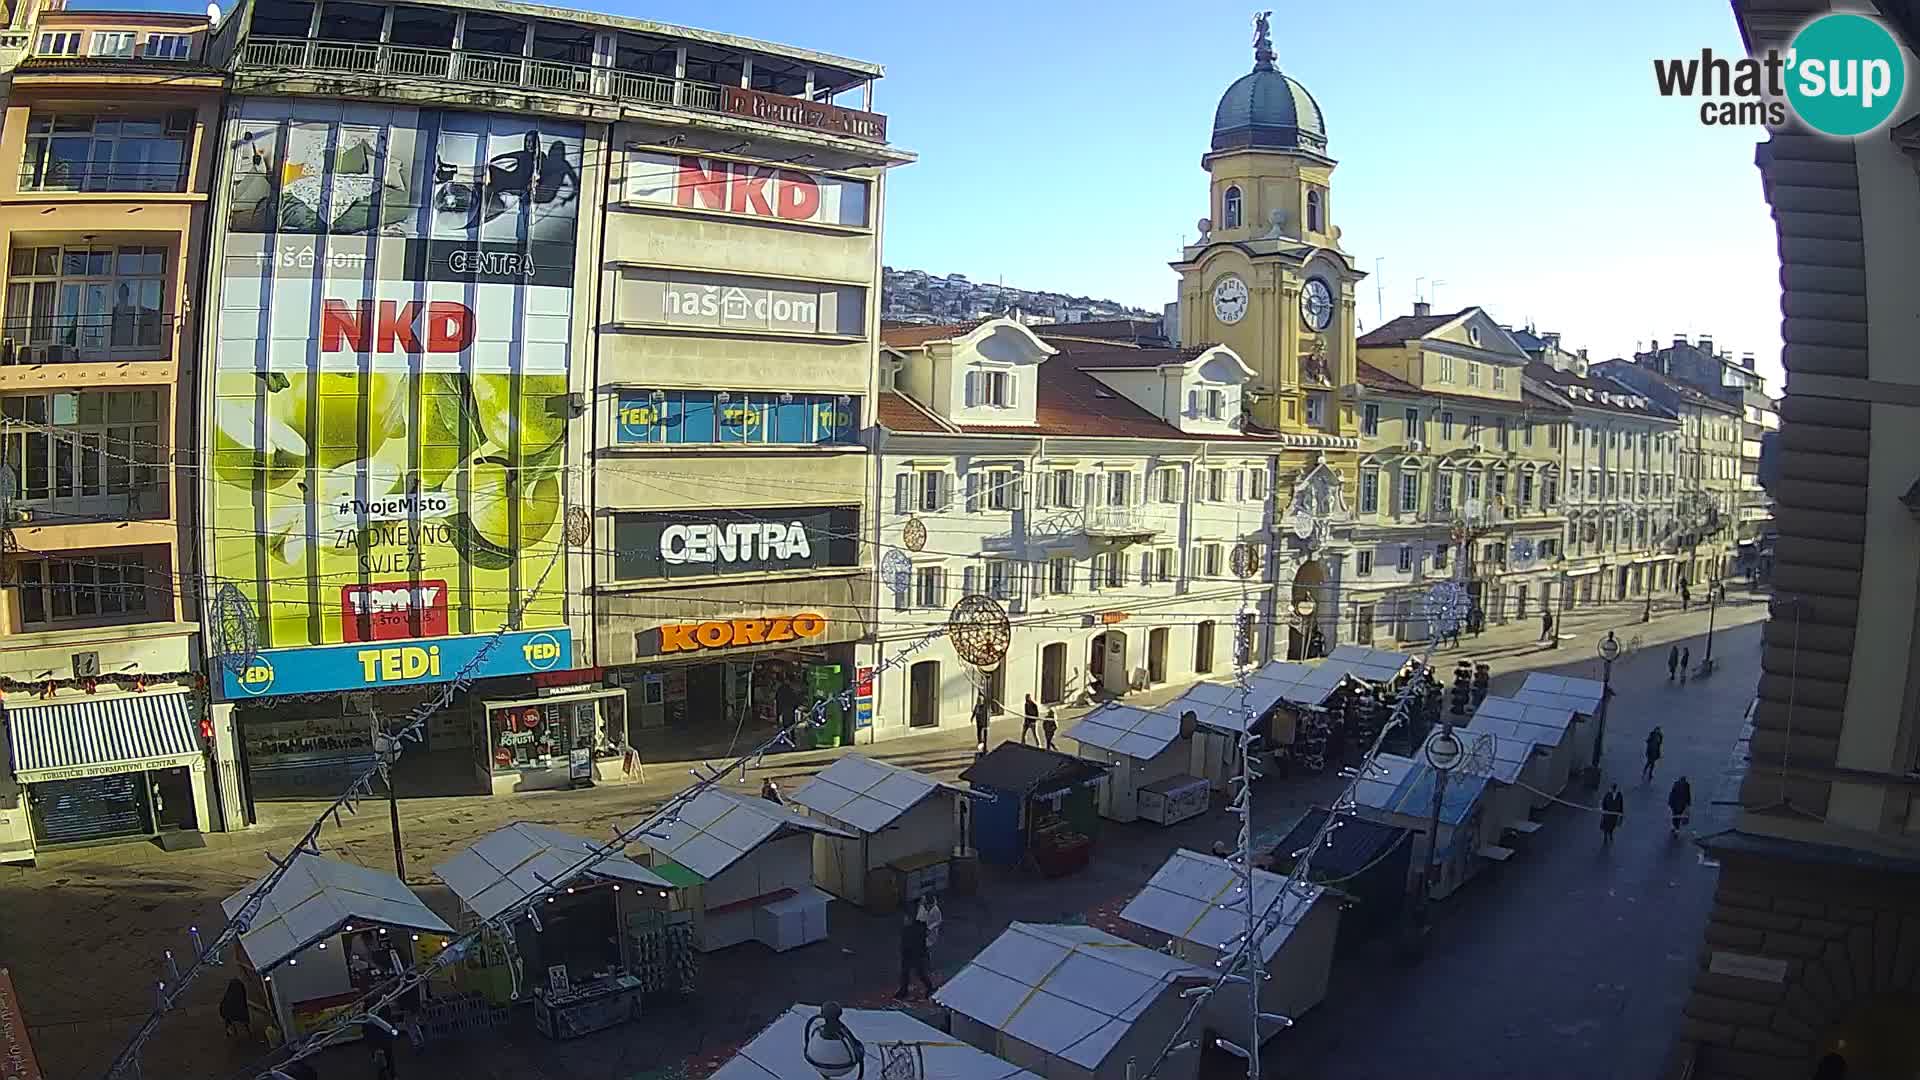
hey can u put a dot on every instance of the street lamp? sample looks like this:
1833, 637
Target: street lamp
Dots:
832, 1050
1444, 753
1713, 609
1609, 652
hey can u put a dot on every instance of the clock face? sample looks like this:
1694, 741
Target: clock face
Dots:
1316, 304
1230, 299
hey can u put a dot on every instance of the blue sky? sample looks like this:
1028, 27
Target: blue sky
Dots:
1515, 150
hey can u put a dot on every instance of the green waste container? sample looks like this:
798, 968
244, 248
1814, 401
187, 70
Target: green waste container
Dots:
824, 683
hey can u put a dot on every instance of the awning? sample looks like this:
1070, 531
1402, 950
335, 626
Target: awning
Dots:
1583, 571
101, 737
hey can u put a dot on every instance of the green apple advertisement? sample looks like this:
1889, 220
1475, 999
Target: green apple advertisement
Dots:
391, 406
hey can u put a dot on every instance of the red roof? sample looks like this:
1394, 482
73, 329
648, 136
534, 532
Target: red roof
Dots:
897, 412
1377, 379
1407, 328
912, 335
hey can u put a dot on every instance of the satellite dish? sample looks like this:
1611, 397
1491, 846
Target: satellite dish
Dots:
213, 14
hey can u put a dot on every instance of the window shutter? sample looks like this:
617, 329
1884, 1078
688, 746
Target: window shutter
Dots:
1134, 489
1091, 486
1240, 485
1093, 571
1013, 388
973, 388
902, 486
1042, 491
1193, 403
949, 482
973, 493
968, 578
900, 596
1017, 497
1146, 568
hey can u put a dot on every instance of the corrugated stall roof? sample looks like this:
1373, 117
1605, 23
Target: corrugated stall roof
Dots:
869, 795
1553, 719
1401, 785
509, 864
718, 829
1184, 897
1128, 730
315, 898
1071, 991
1580, 695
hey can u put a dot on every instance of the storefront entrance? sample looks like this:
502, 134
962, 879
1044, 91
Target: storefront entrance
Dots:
1157, 655
110, 769
89, 809
1203, 648
923, 700
1053, 673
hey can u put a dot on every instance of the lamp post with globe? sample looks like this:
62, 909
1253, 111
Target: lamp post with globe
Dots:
1443, 753
833, 1050
1609, 652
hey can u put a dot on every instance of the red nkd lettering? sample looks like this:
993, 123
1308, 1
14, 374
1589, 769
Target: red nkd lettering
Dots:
699, 181
395, 327
749, 194
799, 196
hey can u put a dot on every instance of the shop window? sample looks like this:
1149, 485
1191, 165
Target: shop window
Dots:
736, 418
101, 586
541, 734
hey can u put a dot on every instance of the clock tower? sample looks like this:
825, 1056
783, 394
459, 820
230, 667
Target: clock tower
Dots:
1268, 277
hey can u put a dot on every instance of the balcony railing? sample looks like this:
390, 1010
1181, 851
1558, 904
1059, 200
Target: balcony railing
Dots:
489, 69
101, 176
117, 337
1120, 521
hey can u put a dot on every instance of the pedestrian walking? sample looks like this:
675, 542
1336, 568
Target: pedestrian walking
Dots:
1686, 596
1655, 740
1050, 726
913, 954
1686, 663
1680, 801
234, 1011
770, 791
1673, 662
930, 917
1612, 805
981, 715
1030, 725
1546, 626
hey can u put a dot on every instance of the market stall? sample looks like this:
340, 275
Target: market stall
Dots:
1399, 791
745, 866
905, 827
1073, 1002
327, 934
1222, 712
1147, 756
1034, 807
556, 741
1578, 696
1369, 861
1515, 765
778, 1053
616, 934
1549, 725
1187, 900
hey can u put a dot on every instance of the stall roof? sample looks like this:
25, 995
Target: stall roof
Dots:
1302, 684
776, 1053
1508, 747
718, 829
867, 794
1373, 665
315, 898
507, 865
1580, 695
1220, 705
1071, 991
1403, 786
1351, 847
1127, 729
1553, 719
1184, 898
1025, 770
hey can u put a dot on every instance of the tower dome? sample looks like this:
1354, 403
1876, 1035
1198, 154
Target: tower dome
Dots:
1267, 110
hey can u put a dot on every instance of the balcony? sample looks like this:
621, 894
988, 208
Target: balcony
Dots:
103, 176
1125, 523
129, 336
548, 76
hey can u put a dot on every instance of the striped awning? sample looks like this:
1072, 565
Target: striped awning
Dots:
100, 737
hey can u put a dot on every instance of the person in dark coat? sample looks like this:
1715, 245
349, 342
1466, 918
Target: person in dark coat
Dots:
233, 1009
1030, 723
981, 715
1680, 801
1686, 596
1049, 727
770, 791
1655, 740
786, 699
1546, 626
1673, 662
1686, 661
1612, 805
913, 953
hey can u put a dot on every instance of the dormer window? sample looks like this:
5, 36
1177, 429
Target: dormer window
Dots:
1316, 214
1216, 404
1230, 209
993, 389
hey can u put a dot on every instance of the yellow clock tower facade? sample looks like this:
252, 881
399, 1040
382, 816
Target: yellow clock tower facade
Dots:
1269, 279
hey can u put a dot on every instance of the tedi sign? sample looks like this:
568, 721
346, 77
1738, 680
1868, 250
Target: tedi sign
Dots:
746, 543
1843, 75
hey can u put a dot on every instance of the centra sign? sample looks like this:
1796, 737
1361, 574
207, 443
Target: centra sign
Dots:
754, 542
729, 633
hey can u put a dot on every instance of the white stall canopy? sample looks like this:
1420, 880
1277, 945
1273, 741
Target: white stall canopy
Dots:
776, 1053
1578, 695
868, 795
719, 828
508, 865
1373, 665
318, 896
1126, 730
1224, 707
1071, 992
1183, 900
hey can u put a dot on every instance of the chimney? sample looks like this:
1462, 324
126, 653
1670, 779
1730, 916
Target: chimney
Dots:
1552, 340
1746, 360
1679, 340
1421, 307
1705, 344
1583, 354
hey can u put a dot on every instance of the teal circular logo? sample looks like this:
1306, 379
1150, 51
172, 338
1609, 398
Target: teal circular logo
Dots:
1845, 75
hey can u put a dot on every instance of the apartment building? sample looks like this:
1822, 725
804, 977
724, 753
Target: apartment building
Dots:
1101, 492
1808, 963
506, 309
108, 142
1735, 382
1621, 464
1459, 474
1711, 476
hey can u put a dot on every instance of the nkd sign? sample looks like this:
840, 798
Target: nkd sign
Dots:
688, 182
703, 543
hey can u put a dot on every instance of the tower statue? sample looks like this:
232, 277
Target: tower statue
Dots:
1262, 41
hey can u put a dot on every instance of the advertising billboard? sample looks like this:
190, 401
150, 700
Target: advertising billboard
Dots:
735, 418
700, 543
690, 182
391, 403
682, 298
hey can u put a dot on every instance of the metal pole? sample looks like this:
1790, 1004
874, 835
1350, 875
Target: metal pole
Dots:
1431, 876
393, 805
1606, 697
1713, 608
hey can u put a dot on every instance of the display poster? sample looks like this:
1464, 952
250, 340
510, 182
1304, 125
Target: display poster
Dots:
391, 411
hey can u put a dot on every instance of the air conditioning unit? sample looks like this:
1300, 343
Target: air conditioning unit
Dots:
1415, 446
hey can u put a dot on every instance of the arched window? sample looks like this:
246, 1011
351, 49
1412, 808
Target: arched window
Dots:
1314, 213
1230, 209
